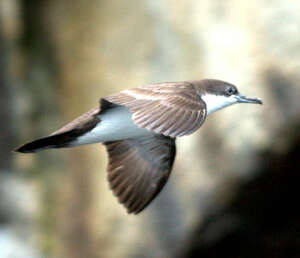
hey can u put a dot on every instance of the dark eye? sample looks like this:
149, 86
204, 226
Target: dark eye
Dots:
231, 90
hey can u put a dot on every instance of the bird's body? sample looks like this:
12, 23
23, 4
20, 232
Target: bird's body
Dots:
139, 127
116, 124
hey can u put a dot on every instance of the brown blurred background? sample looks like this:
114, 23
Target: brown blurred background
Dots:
234, 190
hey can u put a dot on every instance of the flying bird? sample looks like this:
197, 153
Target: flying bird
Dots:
138, 128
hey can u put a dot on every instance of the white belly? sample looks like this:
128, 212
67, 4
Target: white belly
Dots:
115, 124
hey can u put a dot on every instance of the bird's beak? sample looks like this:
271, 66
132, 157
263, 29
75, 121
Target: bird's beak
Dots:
243, 99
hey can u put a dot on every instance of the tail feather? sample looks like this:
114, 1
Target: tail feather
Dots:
52, 141
67, 134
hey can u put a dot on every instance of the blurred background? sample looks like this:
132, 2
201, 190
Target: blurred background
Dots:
234, 189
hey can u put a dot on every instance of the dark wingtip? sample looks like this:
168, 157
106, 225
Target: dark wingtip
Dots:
17, 150
24, 149
52, 141
37, 145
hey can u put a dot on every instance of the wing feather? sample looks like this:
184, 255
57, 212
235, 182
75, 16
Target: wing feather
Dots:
139, 168
171, 109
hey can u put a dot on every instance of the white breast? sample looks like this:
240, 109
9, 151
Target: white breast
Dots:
216, 102
115, 124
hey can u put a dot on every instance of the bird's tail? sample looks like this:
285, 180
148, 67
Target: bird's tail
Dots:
53, 141
67, 135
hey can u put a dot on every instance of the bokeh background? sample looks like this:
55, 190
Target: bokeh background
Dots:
234, 190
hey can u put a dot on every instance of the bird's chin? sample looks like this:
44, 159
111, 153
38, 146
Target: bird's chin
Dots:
244, 99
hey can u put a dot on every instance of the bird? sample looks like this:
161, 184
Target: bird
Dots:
138, 127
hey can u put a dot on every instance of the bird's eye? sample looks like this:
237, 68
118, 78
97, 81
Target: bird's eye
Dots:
231, 90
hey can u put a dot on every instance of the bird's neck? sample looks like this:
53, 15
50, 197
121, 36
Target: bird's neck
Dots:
217, 102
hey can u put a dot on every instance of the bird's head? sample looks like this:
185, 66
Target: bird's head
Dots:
219, 94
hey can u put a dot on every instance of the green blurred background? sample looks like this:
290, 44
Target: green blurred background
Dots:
234, 190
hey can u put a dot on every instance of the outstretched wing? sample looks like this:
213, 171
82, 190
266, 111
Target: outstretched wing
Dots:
139, 168
171, 109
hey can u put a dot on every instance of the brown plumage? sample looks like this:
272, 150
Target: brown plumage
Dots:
171, 109
138, 127
139, 168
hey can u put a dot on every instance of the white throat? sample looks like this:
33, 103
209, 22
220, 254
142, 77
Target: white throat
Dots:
216, 102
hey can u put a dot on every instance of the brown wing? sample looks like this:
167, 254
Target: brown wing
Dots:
171, 109
139, 168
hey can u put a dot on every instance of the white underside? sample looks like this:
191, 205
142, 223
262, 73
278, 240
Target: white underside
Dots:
116, 124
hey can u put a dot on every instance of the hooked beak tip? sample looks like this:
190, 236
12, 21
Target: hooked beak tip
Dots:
259, 101
244, 99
